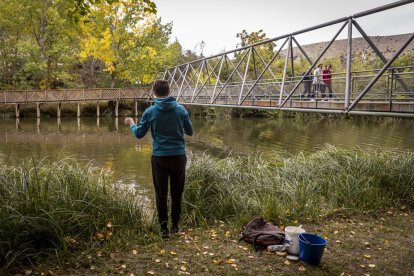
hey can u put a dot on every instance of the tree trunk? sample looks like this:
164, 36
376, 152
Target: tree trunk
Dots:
112, 81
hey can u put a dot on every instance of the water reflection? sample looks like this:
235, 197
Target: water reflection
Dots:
110, 144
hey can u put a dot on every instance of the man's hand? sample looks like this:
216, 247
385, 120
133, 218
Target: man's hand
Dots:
129, 121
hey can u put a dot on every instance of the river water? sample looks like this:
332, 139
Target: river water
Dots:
109, 143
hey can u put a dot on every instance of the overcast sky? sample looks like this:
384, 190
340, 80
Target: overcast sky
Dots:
216, 22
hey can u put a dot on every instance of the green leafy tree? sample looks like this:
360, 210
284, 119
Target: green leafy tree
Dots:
38, 42
262, 52
12, 32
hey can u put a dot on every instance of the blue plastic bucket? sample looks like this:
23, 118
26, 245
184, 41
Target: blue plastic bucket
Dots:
311, 248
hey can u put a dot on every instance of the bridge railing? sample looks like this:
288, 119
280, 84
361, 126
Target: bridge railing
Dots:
244, 76
267, 91
72, 95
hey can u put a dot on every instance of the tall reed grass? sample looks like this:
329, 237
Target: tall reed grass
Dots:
236, 188
47, 206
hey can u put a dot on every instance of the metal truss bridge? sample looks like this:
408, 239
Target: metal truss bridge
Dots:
247, 78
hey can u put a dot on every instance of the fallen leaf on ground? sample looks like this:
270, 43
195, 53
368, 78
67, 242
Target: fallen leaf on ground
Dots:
157, 260
99, 236
173, 253
162, 251
183, 268
151, 272
231, 261
371, 265
109, 225
227, 234
367, 256
123, 266
302, 268
362, 266
134, 252
217, 261
286, 262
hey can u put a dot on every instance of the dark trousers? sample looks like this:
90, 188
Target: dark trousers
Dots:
170, 168
308, 90
323, 88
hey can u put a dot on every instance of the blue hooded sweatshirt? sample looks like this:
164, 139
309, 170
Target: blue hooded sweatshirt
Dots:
168, 121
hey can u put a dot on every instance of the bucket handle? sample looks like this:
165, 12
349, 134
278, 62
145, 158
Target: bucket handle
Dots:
306, 241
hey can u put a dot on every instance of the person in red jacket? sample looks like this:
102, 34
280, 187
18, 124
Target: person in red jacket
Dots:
327, 81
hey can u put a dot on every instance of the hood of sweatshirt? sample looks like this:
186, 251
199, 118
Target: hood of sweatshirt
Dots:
165, 104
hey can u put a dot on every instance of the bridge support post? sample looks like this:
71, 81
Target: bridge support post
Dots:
38, 124
17, 110
116, 108
79, 111
59, 109
136, 108
37, 110
348, 65
97, 110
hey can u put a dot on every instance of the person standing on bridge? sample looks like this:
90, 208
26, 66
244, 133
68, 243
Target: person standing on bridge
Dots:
168, 121
317, 79
307, 85
327, 80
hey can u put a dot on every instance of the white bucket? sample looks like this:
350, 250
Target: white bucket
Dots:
293, 232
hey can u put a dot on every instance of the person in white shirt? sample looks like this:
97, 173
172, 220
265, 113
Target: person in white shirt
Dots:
317, 80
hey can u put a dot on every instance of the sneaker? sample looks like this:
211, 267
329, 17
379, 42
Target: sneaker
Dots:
175, 230
165, 234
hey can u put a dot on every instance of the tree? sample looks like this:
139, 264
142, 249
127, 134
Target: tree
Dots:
130, 40
261, 53
12, 30
83, 7
39, 42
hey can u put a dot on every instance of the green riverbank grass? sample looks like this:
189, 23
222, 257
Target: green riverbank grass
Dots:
65, 210
59, 208
312, 187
